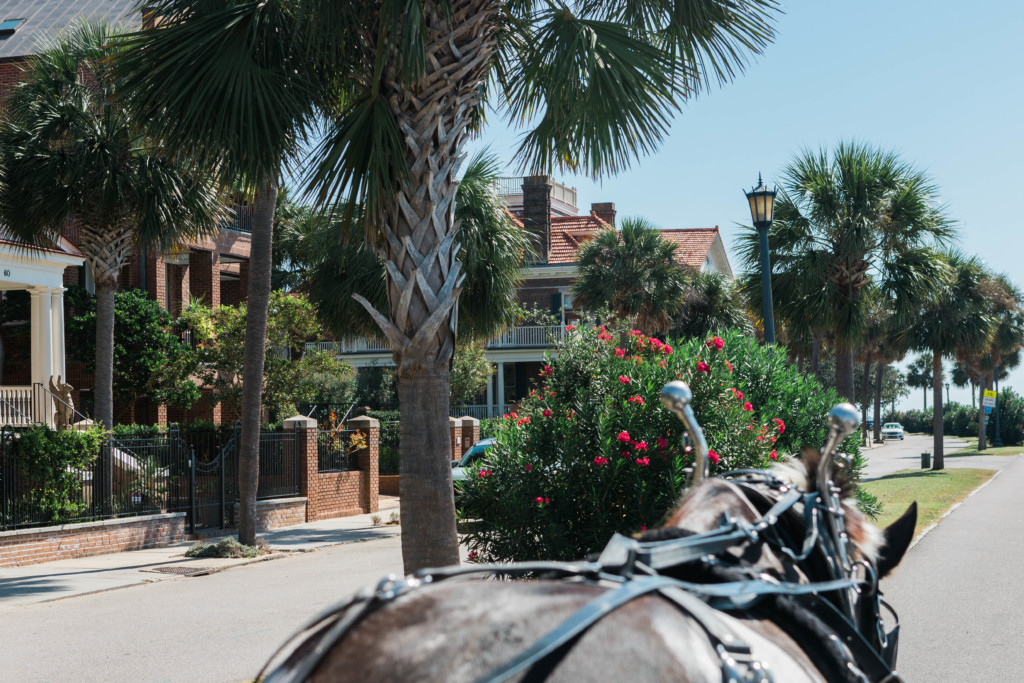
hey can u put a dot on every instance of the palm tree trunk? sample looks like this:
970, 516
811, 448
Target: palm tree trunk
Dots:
866, 389
982, 386
253, 357
879, 377
424, 276
844, 373
103, 382
937, 463
816, 353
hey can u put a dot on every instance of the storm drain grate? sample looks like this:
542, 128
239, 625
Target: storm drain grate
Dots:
183, 571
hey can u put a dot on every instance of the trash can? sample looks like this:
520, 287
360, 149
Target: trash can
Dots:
926, 460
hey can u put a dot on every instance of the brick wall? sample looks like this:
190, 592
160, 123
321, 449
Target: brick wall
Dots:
30, 546
278, 512
204, 277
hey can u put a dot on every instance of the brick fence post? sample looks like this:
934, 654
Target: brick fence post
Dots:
368, 458
470, 432
455, 429
308, 457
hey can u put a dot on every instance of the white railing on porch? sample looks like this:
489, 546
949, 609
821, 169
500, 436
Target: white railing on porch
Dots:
525, 336
16, 406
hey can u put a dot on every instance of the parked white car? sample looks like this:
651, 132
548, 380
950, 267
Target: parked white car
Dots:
460, 467
892, 430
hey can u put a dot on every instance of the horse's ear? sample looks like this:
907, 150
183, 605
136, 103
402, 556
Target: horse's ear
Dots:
898, 536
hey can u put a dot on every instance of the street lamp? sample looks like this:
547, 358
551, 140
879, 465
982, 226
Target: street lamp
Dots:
762, 209
998, 443
947, 392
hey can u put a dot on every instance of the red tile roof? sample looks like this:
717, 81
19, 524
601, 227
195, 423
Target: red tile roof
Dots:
693, 244
569, 232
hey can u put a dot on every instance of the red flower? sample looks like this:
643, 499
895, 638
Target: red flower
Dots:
737, 393
523, 421
728, 365
640, 446
539, 500
643, 527
666, 349
621, 353
774, 456
604, 336
773, 440
624, 454
485, 473
662, 363
547, 371
656, 343
747, 406
643, 462
570, 328
623, 436
715, 343
636, 399
703, 367
547, 412
529, 467
505, 416
600, 460
623, 379
471, 556
637, 333
514, 416
662, 444
779, 425
713, 457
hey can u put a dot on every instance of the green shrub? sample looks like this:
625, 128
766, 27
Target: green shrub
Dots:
962, 420
50, 461
592, 451
134, 431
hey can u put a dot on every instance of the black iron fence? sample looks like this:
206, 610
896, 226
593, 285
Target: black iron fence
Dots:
335, 450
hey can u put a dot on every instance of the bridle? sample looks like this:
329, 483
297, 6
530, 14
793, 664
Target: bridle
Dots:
632, 568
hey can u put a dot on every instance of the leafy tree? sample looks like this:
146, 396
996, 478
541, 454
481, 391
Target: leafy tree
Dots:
633, 272
68, 149
150, 359
712, 303
843, 219
955, 319
470, 371
398, 87
288, 378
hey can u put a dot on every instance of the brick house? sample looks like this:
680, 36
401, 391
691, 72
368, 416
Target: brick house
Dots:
548, 210
213, 269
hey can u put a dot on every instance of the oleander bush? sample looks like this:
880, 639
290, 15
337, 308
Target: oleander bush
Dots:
592, 452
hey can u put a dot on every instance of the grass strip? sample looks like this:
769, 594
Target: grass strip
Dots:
972, 448
935, 493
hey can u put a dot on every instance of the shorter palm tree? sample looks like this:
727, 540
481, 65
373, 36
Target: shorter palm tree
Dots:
68, 149
957, 316
633, 273
712, 302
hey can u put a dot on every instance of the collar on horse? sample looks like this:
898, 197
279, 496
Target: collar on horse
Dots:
631, 569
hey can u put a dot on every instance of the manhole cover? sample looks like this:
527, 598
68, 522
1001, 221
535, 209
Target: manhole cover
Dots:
183, 571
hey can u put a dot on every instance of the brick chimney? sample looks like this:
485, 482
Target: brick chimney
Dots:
537, 213
605, 211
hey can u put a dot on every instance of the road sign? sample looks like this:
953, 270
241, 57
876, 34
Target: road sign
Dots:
990, 393
988, 409
989, 399
136, 498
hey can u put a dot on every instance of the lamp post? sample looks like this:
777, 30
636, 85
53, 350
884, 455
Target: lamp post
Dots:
762, 209
947, 392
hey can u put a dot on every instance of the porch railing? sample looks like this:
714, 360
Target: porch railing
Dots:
16, 406
524, 336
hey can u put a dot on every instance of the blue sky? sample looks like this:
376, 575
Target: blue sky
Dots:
940, 82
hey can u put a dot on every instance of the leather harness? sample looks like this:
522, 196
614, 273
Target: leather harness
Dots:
630, 568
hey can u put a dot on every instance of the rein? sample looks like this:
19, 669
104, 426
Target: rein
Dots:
631, 569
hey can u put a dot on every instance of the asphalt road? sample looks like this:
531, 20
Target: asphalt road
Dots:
220, 627
906, 455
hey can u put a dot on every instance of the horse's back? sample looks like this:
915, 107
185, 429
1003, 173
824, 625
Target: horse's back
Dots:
460, 631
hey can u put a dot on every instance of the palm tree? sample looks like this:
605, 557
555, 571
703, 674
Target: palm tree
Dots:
842, 219
494, 249
398, 88
711, 302
919, 374
69, 151
955, 317
633, 273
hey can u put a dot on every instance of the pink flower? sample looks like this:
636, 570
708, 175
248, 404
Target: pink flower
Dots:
624, 454
703, 367
485, 473
636, 399
643, 527
747, 406
728, 365
643, 462
640, 446
656, 343
666, 349
623, 379
604, 336
621, 353
505, 416
737, 393
523, 421
600, 460
471, 556
547, 412
662, 444
715, 343
662, 363
773, 440
514, 416
539, 500
637, 333
774, 456
713, 457
547, 371
623, 436
570, 328
688, 450
529, 467
779, 425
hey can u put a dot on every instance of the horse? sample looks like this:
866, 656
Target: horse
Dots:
755, 576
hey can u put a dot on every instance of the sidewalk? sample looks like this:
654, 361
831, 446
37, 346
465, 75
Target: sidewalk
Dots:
65, 578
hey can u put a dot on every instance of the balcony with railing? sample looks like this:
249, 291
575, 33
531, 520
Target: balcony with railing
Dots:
522, 337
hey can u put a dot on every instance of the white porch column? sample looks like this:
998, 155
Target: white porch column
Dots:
42, 338
490, 395
500, 398
57, 331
